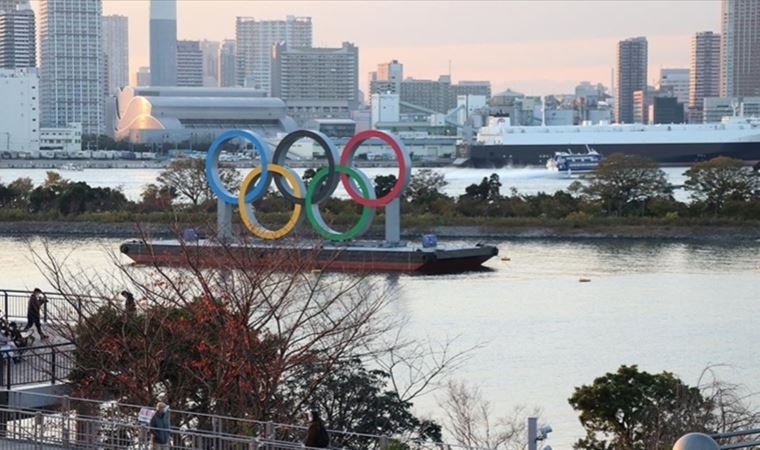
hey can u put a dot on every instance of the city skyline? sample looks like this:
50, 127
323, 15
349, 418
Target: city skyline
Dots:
499, 46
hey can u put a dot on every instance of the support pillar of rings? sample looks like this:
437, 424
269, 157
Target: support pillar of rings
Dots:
393, 223
223, 220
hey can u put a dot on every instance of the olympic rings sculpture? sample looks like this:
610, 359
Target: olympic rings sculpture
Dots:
305, 199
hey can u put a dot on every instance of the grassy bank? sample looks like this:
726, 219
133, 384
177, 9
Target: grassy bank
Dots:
16, 222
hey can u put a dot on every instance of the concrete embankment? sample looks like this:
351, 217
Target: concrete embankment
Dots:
674, 232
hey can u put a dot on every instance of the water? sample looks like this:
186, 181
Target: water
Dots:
664, 306
530, 180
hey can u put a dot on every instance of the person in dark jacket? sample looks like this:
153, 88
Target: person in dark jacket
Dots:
316, 435
34, 310
129, 302
159, 427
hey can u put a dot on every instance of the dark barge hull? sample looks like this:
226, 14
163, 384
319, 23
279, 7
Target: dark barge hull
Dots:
666, 153
364, 258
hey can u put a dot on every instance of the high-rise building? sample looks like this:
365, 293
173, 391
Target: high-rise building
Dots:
17, 36
71, 64
675, 82
19, 116
227, 65
390, 71
631, 76
189, 64
210, 50
307, 73
142, 77
740, 48
163, 43
254, 40
704, 75
8, 5
115, 53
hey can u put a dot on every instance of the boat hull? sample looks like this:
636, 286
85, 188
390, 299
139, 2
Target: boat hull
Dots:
408, 259
667, 153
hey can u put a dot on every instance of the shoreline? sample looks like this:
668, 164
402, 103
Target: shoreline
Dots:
698, 233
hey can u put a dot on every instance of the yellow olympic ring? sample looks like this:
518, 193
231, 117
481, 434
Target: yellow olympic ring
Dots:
246, 211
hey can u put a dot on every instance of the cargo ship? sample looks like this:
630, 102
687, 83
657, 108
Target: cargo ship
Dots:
359, 256
499, 144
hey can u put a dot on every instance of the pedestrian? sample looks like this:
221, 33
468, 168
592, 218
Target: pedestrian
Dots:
129, 302
159, 427
36, 300
316, 435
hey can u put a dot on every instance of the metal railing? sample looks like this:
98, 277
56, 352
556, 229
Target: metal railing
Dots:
753, 442
33, 365
59, 306
41, 429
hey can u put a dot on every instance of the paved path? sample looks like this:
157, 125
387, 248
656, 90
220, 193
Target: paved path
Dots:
6, 444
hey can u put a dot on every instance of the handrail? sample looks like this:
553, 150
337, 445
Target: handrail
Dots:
734, 433
46, 363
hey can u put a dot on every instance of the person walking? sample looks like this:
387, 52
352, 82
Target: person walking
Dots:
33, 310
316, 435
159, 427
129, 302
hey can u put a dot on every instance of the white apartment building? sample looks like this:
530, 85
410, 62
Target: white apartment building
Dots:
210, 50
227, 64
19, 116
71, 64
115, 53
189, 64
254, 40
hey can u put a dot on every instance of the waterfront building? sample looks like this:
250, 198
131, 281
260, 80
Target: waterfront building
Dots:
716, 108
17, 36
19, 116
227, 65
704, 73
631, 76
740, 48
71, 64
142, 77
194, 115
210, 50
62, 141
189, 64
750, 107
115, 53
666, 109
385, 108
163, 42
642, 99
676, 83
254, 41
322, 74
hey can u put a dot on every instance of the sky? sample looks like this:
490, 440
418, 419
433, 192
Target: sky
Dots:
536, 47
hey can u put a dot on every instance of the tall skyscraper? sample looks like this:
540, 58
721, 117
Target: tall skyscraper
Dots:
740, 48
115, 53
71, 64
255, 38
704, 76
307, 73
189, 64
163, 42
210, 50
631, 76
227, 66
18, 47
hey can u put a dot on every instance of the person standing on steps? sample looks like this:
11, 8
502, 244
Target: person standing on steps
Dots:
33, 311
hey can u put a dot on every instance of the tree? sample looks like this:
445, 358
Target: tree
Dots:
379, 410
470, 420
425, 186
489, 189
384, 184
226, 338
721, 180
635, 410
187, 178
154, 198
625, 182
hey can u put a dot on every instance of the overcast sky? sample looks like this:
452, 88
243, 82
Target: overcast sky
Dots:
537, 47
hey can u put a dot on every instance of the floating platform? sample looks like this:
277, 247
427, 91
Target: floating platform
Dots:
365, 256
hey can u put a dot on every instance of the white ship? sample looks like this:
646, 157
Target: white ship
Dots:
499, 144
